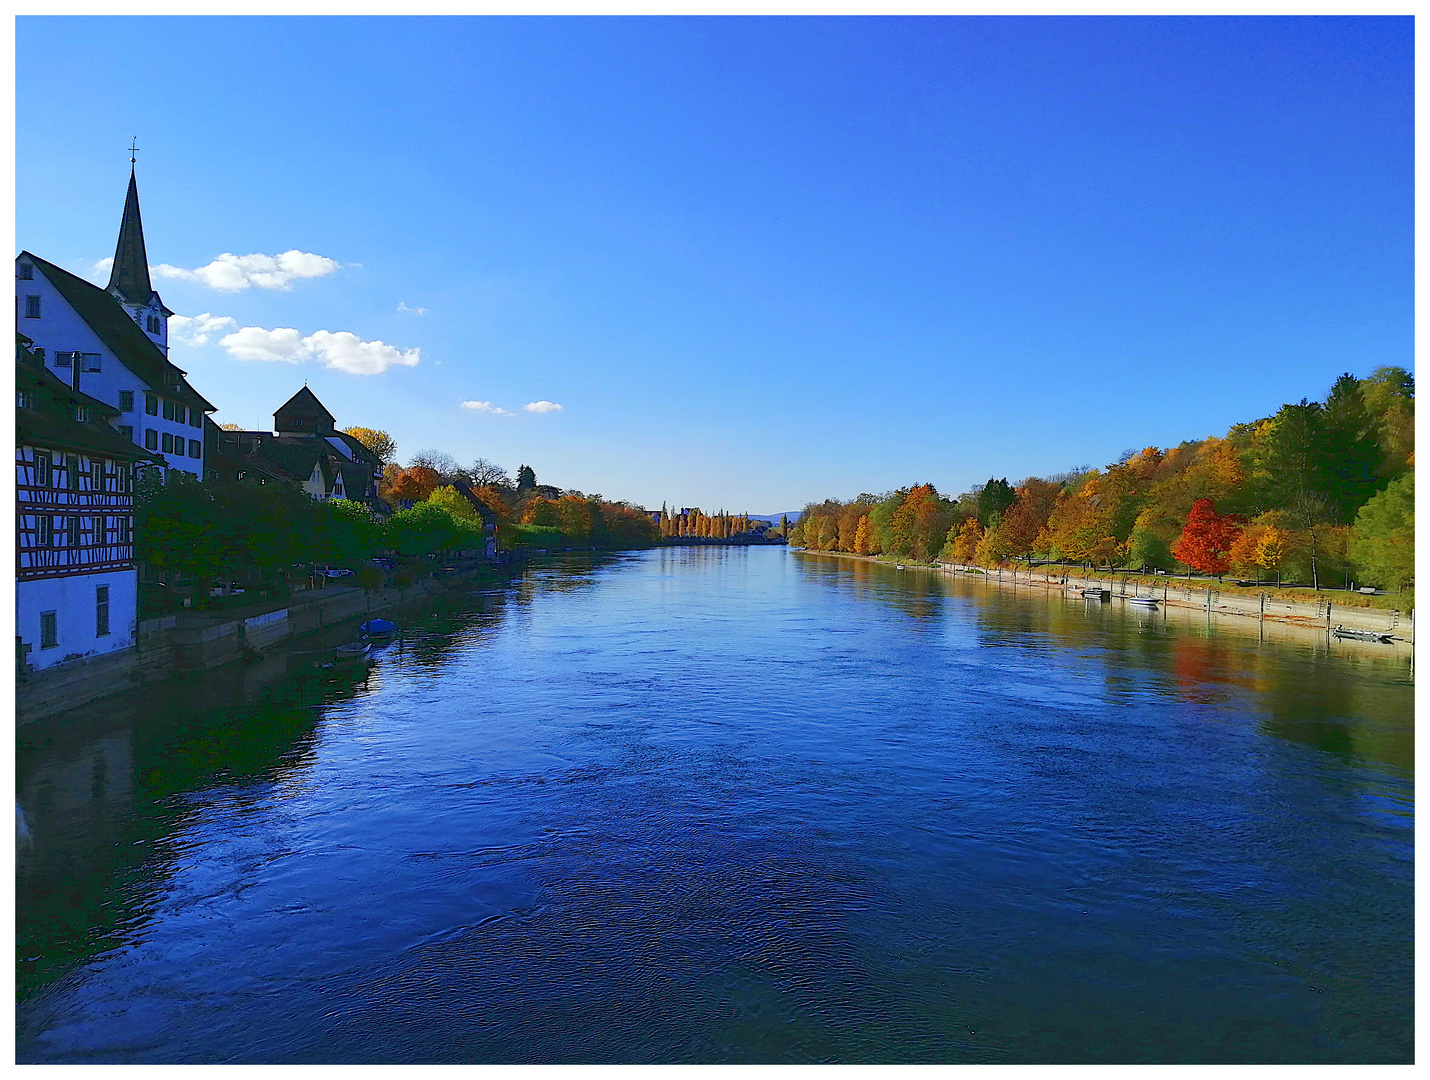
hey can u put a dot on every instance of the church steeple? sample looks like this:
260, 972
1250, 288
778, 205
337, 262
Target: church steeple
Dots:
129, 277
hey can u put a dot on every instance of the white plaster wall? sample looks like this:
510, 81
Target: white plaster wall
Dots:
72, 599
60, 329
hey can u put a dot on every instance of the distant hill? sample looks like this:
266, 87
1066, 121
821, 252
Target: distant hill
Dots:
774, 519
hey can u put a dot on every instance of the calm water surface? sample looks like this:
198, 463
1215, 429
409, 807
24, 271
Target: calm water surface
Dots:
735, 805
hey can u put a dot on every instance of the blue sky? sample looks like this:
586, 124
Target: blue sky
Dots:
756, 262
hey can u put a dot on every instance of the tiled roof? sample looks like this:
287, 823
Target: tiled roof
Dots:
107, 318
51, 422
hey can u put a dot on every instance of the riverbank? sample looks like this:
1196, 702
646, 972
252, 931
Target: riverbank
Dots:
196, 641
1215, 600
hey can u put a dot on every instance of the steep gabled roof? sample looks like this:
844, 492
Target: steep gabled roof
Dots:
51, 422
107, 318
303, 403
130, 274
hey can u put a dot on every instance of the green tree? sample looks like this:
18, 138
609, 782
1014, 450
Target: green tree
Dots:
1351, 446
995, 497
1296, 454
1383, 536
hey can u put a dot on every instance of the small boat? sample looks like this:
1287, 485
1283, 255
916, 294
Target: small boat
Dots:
1145, 601
353, 650
1097, 594
1364, 635
375, 628
898, 566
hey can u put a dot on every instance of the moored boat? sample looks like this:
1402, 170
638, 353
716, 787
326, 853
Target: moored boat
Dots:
1145, 601
1097, 594
353, 650
1364, 635
378, 628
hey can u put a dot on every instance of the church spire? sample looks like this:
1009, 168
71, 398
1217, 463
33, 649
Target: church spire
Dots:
129, 277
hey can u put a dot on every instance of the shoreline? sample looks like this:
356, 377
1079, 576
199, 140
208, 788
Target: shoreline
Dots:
1320, 616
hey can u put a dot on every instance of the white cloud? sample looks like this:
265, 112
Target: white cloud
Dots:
486, 407
341, 350
232, 273
402, 307
102, 267
541, 406
197, 329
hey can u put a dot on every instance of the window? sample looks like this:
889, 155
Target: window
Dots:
32, 307
72, 531
62, 359
25, 399
25, 271
196, 418
168, 443
151, 404
122, 476
127, 430
101, 610
168, 409
153, 324
96, 475
90, 361
72, 472
44, 531
42, 469
126, 401
81, 414
151, 440
196, 448
124, 526
49, 630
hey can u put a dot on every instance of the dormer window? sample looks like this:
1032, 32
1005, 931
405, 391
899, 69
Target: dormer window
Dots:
152, 323
81, 414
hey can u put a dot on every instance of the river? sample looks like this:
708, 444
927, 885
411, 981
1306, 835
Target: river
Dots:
735, 805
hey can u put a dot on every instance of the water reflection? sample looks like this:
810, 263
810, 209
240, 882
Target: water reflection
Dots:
712, 804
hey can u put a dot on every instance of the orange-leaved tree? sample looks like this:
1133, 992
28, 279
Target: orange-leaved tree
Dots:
1207, 538
416, 484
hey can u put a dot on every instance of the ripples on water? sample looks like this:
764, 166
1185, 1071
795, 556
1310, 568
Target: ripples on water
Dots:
740, 806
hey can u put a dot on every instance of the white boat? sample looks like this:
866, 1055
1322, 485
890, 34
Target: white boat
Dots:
353, 650
1145, 601
1364, 635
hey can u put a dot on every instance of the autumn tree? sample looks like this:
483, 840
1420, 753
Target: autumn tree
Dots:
864, 536
1389, 396
961, 545
1206, 539
376, 440
413, 484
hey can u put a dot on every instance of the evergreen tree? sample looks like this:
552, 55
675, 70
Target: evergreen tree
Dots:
1351, 446
1296, 457
995, 498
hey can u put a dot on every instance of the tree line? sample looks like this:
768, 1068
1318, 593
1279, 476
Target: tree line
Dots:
1320, 491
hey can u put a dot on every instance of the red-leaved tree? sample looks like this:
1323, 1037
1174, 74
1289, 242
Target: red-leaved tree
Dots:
1206, 539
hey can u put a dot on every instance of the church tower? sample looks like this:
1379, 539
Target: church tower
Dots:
129, 276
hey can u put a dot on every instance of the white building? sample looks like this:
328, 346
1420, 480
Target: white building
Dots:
112, 344
75, 582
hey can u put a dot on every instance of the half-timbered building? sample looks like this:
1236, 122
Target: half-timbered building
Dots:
76, 585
